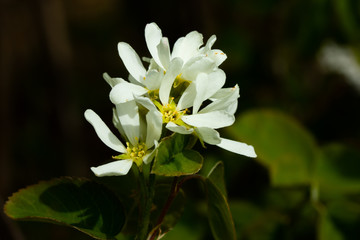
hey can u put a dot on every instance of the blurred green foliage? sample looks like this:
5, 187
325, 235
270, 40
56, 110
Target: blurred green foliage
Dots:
305, 183
281, 145
73, 202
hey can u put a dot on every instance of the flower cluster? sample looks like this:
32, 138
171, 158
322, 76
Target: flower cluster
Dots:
181, 91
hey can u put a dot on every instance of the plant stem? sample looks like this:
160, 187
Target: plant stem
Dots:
176, 185
147, 195
173, 192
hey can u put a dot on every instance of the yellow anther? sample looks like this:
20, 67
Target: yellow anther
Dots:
136, 153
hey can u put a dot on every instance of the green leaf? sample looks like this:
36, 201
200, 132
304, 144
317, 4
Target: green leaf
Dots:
346, 211
338, 170
219, 215
281, 143
253, 222
216, 174
327, 230
174, 159
346, 14
75, 202
344, 216
191, 225
181, 232
286, 199
126, 189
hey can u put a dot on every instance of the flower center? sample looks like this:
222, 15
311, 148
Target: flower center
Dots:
136, 153
170, 113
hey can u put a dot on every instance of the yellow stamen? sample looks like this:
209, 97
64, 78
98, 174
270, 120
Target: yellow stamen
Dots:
136, 153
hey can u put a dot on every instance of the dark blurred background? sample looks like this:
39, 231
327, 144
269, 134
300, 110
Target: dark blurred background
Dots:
53, 54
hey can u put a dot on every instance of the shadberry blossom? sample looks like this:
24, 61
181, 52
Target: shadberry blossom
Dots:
188, 66
186, 48
181, 90
218, 114
140, 137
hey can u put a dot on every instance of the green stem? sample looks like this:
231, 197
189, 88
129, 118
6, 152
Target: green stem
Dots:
173, 192
176, 185
147, 195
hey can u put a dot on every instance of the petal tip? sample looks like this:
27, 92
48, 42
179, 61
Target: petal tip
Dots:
89, 114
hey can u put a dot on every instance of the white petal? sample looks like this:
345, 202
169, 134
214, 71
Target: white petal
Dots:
177, 47
217, 56
216, 80
206, 86
188, 46
135, 81
117, 168
208, 135
237, 147
128, 115
187, 98
125, 91
150, 156
196, 65
153, 79
154, 65
178, 129
153, 37
201, 88
164, 52
224, 92
103, 132
216, 119
171, 74
116, 123
210, 42
146, 102
154, 127
112, 81
131, 61
232, 107
227, 100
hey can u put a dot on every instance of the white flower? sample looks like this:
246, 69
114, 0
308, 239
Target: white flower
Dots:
186, 48
183, 66
196, 64
177, 81
140, 139
122, 90
218, 114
